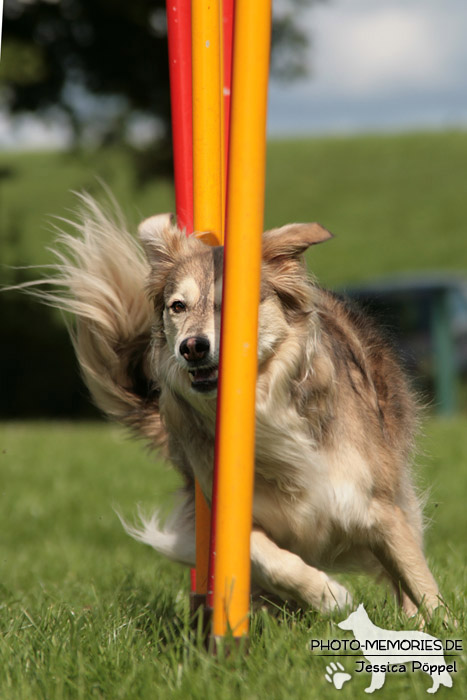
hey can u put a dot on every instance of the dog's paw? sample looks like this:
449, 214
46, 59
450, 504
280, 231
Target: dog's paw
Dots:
336, 675
335, 596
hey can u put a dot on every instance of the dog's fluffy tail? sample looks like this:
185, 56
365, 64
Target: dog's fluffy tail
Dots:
100, 278
175, 538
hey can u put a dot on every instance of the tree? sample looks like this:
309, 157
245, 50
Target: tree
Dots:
100, 62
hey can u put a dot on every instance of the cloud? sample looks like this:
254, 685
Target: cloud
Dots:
378, 64
385, 49
363, 47
32, 132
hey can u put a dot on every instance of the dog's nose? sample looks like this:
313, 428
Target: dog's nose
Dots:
195, 348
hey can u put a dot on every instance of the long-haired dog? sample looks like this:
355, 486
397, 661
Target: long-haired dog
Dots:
335, 418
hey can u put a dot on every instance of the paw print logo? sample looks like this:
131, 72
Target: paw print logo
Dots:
336, 675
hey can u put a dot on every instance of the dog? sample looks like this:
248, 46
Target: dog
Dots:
335, 418
396, 650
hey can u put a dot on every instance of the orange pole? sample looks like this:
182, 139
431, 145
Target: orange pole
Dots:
226, 62
207, 124
242, 273
207, 192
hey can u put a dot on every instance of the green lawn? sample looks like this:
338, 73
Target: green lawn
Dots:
86, 612
396, 203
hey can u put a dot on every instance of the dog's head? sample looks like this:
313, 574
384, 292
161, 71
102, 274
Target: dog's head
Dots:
186, 287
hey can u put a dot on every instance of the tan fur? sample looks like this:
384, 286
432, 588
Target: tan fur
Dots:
335, 419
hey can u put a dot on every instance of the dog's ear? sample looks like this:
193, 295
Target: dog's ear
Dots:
292, 240
162, 241
283, 266
163, 244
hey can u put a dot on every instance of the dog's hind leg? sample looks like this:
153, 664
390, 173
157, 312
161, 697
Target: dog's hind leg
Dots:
407, 605
285, 574
401, 597
398, 548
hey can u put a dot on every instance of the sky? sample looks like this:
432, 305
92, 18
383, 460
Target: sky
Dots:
374, 65
378, 65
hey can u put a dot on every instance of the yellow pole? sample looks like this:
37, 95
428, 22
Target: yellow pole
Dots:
207, 193
207, 123
242, 271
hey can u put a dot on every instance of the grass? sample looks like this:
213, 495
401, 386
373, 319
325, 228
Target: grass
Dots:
88, 613
396, 203
39, 186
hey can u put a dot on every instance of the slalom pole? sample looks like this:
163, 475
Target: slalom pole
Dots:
180, 75
207, 198
227, 34
207, 125
226, 74
179, 41
242, 272
227, 12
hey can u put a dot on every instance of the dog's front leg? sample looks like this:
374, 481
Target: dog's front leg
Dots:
286, 574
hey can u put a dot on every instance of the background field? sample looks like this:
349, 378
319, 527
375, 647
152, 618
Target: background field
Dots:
395, 203
86, 612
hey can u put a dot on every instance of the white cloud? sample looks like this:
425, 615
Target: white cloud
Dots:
32, 132
378, 64
373, 47
385, 49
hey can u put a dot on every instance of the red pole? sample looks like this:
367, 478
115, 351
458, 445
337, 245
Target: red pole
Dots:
179, 38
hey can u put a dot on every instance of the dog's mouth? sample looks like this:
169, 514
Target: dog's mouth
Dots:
204, 379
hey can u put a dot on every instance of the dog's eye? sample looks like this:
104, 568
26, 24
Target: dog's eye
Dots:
177, 307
